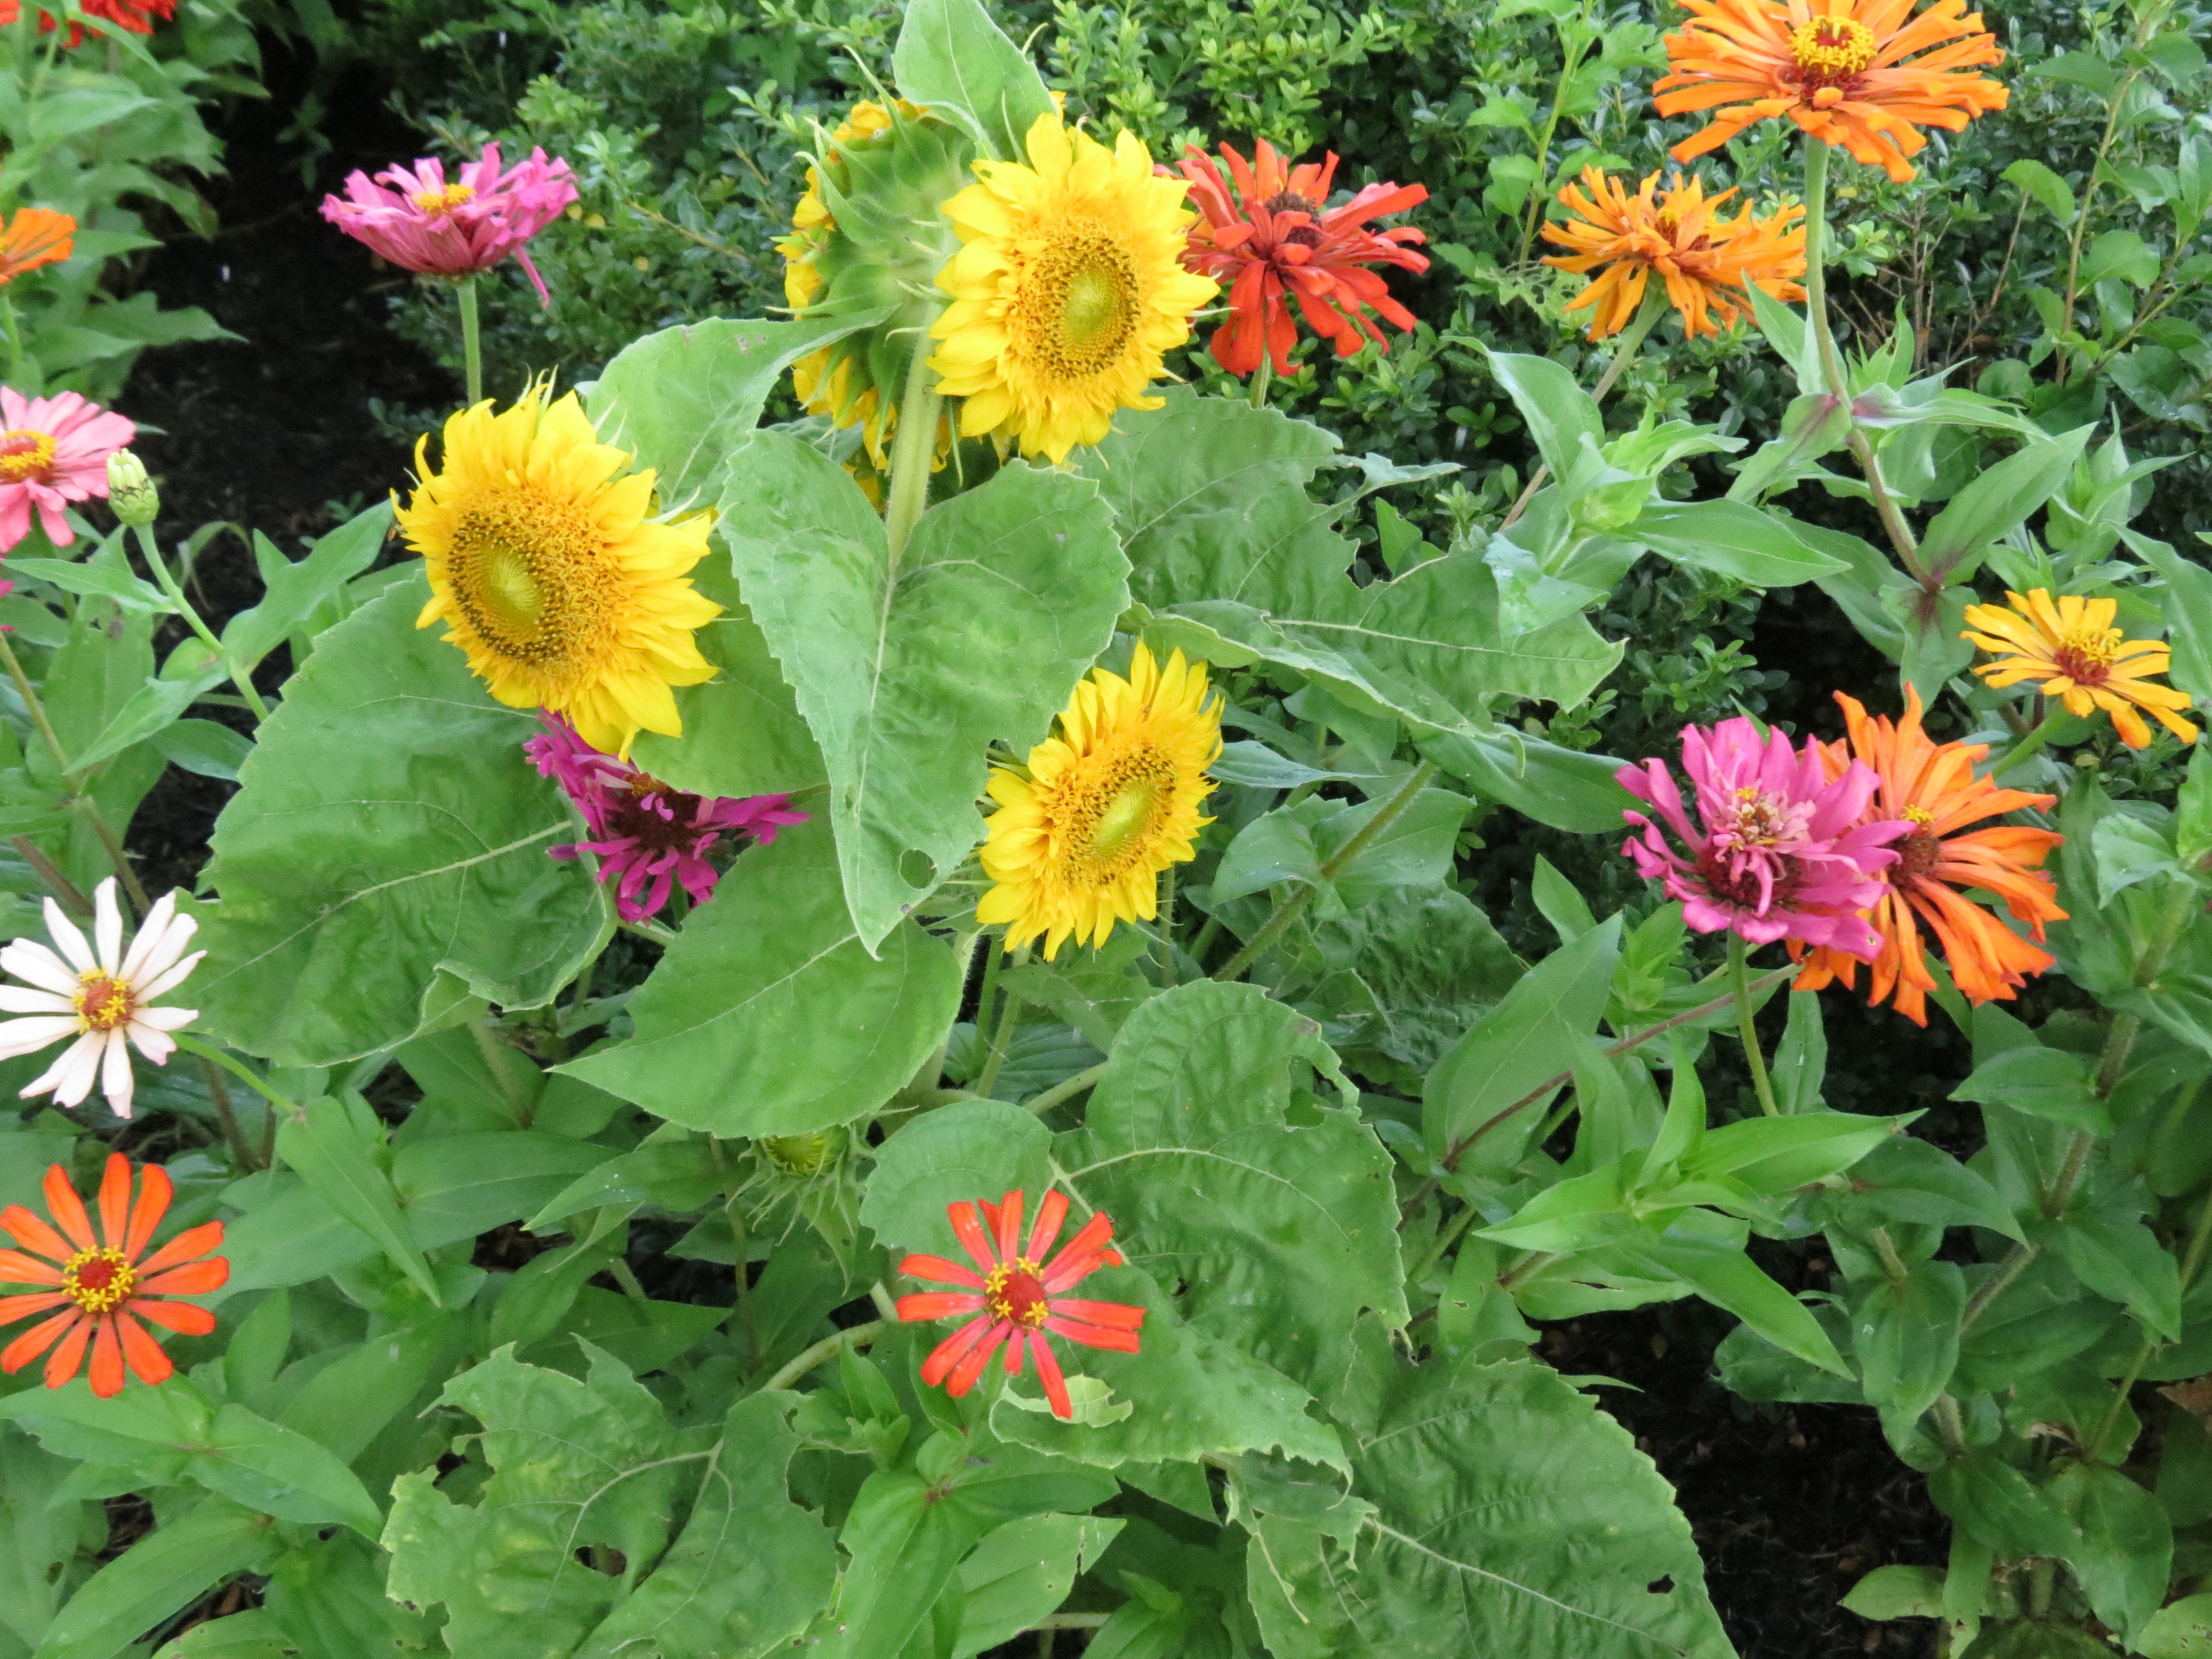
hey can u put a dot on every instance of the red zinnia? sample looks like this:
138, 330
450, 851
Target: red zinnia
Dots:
1268, 235
1014, 1299
100, 1287
136, 16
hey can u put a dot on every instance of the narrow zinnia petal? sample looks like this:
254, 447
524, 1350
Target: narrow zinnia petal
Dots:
35, 236
103, 1285
1020, 1300
1707, 260
1853, 73
1777, 852
109, 991
1078, 843
1266, 232
2069, 649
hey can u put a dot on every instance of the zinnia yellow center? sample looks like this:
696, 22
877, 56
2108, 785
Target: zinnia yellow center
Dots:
1919, 815
2085, 654
1080, 305
1108, 814
525, 573
1831, 49
25, 453
103, 1003
443, 200
98, 1281
1014, 1291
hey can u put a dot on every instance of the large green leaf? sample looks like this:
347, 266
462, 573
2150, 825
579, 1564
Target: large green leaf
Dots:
767, 1016
1510, 1516
1281, 1235
953, 59
907, 674
978, 1149
387, 832
682, 399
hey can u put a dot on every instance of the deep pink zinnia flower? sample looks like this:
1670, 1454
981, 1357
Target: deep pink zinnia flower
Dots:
54, 451
1778, 851
1017, 1296
437, 229
648, 834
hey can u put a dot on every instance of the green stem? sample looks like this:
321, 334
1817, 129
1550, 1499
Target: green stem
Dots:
1623, 353
15, 375
1289, 910
1445, 1239
1740, 986
37, 710
472, 341
1001, 1035
912, 450
2029, 745
151, 552
1166, 924
626, 1276
193, 1045
1067, 1090
234, 1133
1831, 360
854, 1336
1262, 377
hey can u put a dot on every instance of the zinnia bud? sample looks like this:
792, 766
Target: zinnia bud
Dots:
130, 492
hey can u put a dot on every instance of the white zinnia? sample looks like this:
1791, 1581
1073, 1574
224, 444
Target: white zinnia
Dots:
99, 998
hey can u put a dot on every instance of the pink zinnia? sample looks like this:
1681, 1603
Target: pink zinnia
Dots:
1780, 855
648, 834
54, 451
437, 229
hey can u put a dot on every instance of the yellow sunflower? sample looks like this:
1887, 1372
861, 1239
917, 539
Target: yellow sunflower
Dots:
548, 573
1078, 844
2069, 649
1068, 288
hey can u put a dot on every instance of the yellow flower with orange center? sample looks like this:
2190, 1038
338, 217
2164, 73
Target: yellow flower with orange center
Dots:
1932, 787
1706, 259
1078, 843
549, 574
1865, 75
2068, 648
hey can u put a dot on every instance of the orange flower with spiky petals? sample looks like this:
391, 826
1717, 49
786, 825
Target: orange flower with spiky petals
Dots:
1706, 259
1016, 1297
2068, 648
35, 236
1933, 786
1865, 75
1266, 233
103, 1286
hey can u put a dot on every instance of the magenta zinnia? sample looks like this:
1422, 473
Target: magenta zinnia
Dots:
434, 229
1776, 850
1016, 1295
646, 836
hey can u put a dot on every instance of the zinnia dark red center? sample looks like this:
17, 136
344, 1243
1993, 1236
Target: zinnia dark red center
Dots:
1014, 1292
104, 1003
657, 817
1742, 890
2085, 656
1289, 201
98, 1281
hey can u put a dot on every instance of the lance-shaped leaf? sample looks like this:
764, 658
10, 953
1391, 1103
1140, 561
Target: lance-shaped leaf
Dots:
387, 832
1997, 503
908, 672
1280, 1234
1510, 1516
159, 1576
767, 1016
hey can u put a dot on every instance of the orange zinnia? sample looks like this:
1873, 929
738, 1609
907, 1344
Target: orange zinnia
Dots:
1836, 68
35, 236
1934, 786
98, 1286
1266, 233
1705, 259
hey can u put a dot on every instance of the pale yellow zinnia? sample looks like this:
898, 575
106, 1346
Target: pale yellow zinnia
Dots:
549, 575
1068, 288
1078, 843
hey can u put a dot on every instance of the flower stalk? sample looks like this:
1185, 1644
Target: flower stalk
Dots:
471, 340
1739, 988
912, 448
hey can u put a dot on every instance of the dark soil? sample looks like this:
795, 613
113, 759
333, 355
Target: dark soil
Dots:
1791, 1504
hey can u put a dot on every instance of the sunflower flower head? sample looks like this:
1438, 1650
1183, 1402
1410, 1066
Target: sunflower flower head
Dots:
1078, 843
95, 1288
1706, 259
1932, 787
1068, 289
2068, 648
549, 574
1864, 74
1265, 233
867, 234
1016, 1295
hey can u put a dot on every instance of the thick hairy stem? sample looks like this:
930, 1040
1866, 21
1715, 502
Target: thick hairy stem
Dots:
912, 450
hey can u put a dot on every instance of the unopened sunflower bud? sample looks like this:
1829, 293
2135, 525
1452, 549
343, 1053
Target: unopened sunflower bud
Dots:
130, 491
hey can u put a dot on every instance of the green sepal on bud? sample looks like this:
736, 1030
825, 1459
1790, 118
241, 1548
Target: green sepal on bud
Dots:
867, 235
130, 492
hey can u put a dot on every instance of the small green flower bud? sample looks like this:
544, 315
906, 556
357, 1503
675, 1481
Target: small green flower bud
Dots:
130, 491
